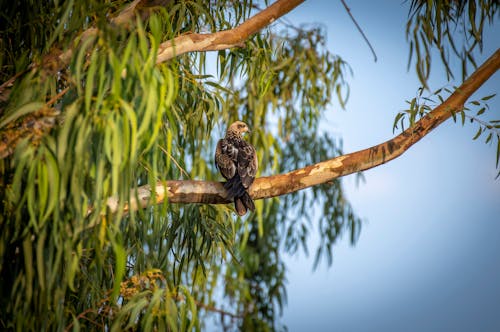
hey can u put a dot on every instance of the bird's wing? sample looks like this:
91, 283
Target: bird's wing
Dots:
247, 164
224, 160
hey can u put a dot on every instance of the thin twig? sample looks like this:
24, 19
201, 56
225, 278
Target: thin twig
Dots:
82, 316
217, 310
359, 29
207, 307
483, 123
58, 96
175, 162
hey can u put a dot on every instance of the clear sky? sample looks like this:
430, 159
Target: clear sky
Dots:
428, 257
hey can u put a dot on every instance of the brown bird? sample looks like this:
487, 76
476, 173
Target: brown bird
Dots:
237, 162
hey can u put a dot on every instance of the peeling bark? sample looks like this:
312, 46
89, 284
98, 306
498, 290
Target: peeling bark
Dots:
210, 192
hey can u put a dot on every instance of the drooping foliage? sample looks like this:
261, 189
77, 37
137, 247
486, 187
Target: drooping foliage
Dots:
110, 120
453, 28
455, 31
89, 114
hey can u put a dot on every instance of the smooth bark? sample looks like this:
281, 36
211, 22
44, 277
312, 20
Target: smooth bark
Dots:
210, 192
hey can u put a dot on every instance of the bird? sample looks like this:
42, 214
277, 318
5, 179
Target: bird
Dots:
237, 161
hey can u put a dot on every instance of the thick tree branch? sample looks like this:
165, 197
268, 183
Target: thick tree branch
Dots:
225, 39
177, 191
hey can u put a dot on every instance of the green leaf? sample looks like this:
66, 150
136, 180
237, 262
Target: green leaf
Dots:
481, 111
89, 85
23, 110
28, 265
498, 151
120, 259
62, 24
80, 60
488, 138
132, 120
462, 115
398, 117
40, 260
480, 130
488, 97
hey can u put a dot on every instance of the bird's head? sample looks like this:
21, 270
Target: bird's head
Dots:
238, 127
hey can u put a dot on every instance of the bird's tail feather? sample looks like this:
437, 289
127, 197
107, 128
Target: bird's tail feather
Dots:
247, 201
244, 203
242, 200
234, 187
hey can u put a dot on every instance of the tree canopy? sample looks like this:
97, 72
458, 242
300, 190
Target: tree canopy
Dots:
111, 214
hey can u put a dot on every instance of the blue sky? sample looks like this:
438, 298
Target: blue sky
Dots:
428, 255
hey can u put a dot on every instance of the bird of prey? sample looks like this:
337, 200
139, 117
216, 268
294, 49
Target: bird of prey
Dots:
237, 162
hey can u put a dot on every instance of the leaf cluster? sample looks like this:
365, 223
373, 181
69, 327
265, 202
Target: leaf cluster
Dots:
120, 121
474, 111
455, 29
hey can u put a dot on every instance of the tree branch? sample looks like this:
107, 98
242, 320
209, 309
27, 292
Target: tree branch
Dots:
210, 192
195, 42
359, 29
